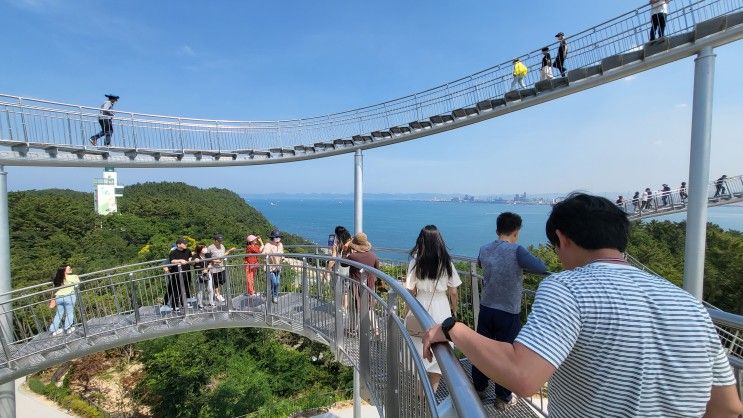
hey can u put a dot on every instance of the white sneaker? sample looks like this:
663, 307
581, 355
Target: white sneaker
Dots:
57, 332
70, 330
220, 298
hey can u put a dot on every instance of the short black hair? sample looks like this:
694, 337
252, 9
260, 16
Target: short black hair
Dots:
592, 222
507, 222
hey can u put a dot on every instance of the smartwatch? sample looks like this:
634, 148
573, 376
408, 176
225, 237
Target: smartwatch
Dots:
447, 325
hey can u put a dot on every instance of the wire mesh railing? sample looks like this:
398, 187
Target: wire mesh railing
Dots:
27, 120
364, 329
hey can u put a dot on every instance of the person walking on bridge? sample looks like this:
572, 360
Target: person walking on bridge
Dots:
503, 262
519, 73
658, 14
546, 72
611, 339
64, 300
562, 54
720, 186
106, 121
683, 193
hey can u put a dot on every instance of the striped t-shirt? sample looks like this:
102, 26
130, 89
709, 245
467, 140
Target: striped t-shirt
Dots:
625, 344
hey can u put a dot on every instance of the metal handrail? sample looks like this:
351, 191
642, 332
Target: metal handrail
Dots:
119, 298
615, 36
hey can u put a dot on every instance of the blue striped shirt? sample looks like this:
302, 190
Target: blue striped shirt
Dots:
625, 344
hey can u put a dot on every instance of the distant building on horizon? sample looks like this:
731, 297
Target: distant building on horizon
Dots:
106, 191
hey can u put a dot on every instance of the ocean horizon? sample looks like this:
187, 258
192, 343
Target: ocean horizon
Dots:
396, 223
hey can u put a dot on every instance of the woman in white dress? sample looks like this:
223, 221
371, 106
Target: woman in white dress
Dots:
433, 279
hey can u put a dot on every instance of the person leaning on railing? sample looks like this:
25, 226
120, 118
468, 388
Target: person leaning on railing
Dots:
64, 300
613, 340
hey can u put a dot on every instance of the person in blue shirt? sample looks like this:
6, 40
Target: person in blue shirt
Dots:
502, 262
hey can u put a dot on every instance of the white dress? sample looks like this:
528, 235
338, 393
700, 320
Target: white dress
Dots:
435, 301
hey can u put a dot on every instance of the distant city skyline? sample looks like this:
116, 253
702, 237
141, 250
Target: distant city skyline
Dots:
275, 61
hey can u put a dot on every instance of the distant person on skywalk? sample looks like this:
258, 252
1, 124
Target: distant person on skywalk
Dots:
64, 300
503, 262
254, 246
274, 246
658, 14
683, 193
519, 73
720, 186
106, 121
636, 201
178, 275
562, 54
666, 194
546, 72
608, 339
649, 204
433, 279
219, 275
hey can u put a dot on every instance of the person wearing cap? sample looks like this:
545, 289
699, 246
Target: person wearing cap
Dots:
178, 263
274, 262
254, 246
683, 193
666, 194
546, 71
360, 252
218, 252
519, 73
105, 120
562, 54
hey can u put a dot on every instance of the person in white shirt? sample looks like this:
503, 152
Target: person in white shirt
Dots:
105, 120
274, 246
658, 14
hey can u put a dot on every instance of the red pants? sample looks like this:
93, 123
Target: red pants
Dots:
250, 270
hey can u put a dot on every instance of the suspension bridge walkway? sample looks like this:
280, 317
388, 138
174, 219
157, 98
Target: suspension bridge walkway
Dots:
36, 132
125, 304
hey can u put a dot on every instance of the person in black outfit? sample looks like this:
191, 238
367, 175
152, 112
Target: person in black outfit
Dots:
636, 201
562, 54
666, 194
683, 193
720, 186
105, 120
546, 71
178, 258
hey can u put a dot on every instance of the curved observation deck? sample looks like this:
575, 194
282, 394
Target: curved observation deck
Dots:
124, 305
36, 132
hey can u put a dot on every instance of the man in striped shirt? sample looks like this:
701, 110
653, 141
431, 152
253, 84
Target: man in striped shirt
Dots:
612, 340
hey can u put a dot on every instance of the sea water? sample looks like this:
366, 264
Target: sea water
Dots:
396, 223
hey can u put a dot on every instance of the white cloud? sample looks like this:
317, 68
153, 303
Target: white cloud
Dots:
186, 51
681, 106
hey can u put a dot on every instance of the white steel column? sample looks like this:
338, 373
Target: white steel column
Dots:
7, 390
358, 225
699, 162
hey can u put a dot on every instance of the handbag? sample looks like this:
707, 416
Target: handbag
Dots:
411, 322
53, 303
547, 73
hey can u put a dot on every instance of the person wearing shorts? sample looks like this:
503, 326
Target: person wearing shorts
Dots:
219, 276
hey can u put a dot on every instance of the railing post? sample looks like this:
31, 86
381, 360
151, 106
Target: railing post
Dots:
318, 277
219, 145
339, 313
182, 288
23, 120
10, 125
180, 134
475, 292
82, 126
228, 287
364, 329
305, 294
134, 130
392, 400
269, 295
135, 300
69, 127
81, 304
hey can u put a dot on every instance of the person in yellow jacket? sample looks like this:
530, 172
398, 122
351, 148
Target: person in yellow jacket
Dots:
519, 73
65, 300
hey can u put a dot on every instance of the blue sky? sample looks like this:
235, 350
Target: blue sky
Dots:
278, 60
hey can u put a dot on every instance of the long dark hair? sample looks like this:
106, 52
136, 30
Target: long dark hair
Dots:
432, 259
59, 277
197, 251
342, 234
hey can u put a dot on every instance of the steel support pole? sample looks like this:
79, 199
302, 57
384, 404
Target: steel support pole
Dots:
358, 225
699, 162
7, 390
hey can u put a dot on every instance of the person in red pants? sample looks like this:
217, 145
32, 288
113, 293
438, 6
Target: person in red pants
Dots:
254, 246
